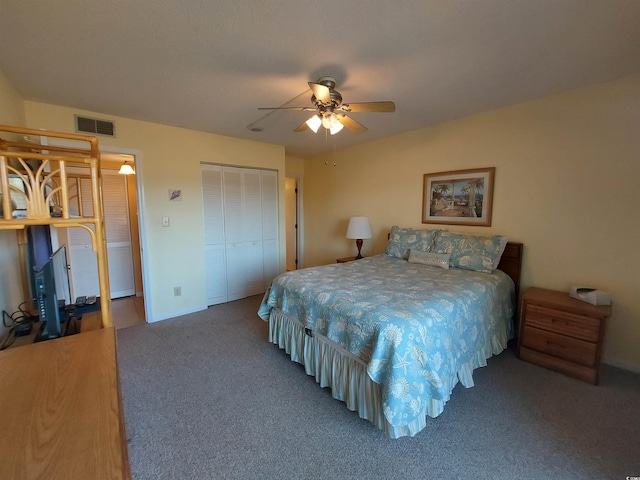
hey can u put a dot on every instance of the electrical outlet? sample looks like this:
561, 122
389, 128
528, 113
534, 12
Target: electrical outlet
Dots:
177, 291
165, 221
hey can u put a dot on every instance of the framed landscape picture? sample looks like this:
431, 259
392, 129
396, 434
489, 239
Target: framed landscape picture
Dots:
459, 197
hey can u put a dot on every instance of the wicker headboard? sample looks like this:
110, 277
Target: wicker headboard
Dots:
511, 262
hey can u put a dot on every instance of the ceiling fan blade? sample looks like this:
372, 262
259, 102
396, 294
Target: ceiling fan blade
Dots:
369, 107
302, 127
301, 109
321, 92
351, 124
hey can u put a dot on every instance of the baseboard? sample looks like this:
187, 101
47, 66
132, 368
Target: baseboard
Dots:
175, 314
615, 362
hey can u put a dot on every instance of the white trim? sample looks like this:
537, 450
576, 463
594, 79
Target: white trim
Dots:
176, 314
300, 232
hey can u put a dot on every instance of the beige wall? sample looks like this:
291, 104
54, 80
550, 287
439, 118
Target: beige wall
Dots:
169, 158
294, 167
11, 113
566, 185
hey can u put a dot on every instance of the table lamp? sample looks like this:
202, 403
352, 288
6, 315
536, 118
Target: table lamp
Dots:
359, 229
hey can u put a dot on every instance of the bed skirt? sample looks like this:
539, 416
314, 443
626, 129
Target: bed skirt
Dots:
346, 374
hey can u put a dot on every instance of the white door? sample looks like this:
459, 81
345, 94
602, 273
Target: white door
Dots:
241, 231
82, 258
270, 226
215, 258
116, 220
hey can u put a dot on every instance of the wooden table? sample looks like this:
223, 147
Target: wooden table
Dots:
345, 259
61, 410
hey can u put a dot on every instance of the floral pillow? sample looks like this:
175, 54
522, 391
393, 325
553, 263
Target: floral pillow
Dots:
401, 240
429, 258
471, 252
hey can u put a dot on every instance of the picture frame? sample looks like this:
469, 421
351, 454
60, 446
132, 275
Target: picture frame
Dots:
458, 197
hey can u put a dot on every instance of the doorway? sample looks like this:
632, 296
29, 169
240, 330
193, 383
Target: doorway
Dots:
128, 306
123, 243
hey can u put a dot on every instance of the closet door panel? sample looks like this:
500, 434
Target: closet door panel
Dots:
215, 258
233, 211
84, 263
236, 273
116, 219
271, 262
215, 266
271, 259
213, 205
254, 269
120, 270
269, 205
252, 205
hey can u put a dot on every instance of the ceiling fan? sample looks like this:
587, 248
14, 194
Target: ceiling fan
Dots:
329, 110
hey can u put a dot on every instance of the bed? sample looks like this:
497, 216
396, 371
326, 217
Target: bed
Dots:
392, 334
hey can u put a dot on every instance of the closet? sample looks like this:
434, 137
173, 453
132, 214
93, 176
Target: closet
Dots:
241, 231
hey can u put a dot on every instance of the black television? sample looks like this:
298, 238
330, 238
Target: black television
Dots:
52, 295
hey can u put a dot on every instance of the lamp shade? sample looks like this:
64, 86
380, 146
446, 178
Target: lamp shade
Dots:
314, 123
336, 128
359, 228
126, 169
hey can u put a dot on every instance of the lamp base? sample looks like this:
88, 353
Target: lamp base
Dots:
359, 245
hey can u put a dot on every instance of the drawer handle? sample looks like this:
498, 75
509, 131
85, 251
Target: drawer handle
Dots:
554, 344
558, 321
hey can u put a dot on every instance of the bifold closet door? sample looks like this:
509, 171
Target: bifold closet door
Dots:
270, 244
241, 231
82, 258
215, 258
118, 230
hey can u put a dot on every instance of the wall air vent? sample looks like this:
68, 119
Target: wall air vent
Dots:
93, 125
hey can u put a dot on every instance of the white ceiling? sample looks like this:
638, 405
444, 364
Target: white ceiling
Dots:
209, 64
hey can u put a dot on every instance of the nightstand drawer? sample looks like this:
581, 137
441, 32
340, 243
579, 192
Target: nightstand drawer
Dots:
574, 350
578, 326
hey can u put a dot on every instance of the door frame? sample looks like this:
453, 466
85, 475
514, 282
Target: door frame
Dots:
300, 221
144, 260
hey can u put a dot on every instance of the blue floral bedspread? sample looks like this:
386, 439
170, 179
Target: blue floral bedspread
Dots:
417, 327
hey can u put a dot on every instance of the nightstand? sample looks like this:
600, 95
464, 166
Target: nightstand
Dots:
345, 259
561, 333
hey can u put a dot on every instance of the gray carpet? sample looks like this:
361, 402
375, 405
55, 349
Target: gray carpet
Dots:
207, 396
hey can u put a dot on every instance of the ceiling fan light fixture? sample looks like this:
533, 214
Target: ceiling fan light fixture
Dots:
329, 120
314, 123
330, 111
336, 128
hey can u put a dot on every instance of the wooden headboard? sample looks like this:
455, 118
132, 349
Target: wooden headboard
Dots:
511, 262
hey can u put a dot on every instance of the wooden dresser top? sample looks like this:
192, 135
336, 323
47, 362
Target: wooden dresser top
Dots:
62, 414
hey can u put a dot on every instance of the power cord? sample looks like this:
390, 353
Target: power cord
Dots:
18, 323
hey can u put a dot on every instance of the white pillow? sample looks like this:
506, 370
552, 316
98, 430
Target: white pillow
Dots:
429, 258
